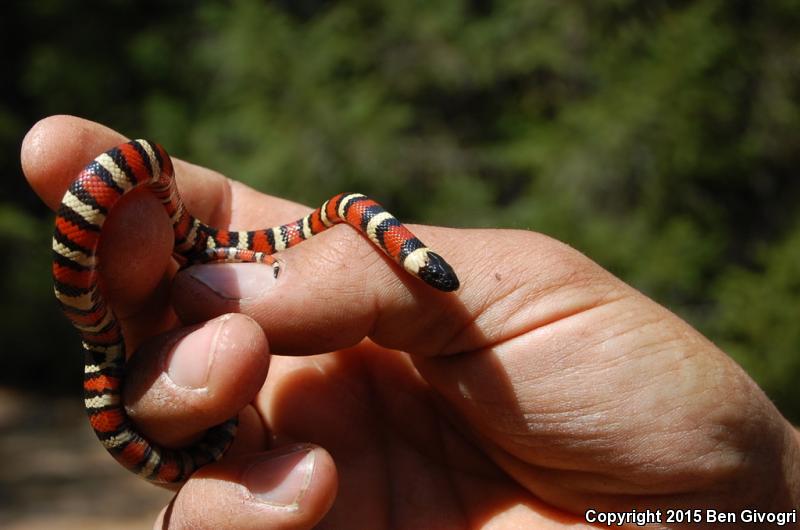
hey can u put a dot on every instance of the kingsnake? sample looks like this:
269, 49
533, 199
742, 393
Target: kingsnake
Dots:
78, 225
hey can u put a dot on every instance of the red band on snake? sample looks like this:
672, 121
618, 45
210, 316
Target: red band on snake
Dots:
79, 222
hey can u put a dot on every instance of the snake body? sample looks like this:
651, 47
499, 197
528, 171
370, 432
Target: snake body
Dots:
79, 220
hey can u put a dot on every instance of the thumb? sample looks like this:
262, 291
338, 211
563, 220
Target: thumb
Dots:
291, 487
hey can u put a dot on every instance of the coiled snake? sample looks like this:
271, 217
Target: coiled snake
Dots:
78, 225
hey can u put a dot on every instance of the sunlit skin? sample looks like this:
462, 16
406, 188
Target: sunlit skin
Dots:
542, 387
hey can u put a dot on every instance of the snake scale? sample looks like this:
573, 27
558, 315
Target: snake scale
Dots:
79, 220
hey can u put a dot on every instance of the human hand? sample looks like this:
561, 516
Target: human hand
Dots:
543, 387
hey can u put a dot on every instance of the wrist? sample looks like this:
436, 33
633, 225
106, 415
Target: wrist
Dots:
791, 466
785, 488
765, 449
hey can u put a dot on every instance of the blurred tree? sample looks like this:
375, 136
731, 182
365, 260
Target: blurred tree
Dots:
758, 315
60, 57
658, 137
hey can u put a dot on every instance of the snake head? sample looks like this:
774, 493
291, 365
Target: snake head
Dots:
438, 273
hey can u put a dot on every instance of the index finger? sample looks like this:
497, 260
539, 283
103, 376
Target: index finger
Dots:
137, 239
56, 149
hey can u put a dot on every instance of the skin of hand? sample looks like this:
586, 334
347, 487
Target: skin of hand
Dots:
543, 387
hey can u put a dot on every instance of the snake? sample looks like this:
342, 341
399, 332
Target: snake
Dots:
78, 225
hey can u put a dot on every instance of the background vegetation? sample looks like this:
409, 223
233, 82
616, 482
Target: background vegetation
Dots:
661, 138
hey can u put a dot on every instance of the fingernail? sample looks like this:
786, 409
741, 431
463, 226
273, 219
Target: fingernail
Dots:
189, 361
235, 281
281, 480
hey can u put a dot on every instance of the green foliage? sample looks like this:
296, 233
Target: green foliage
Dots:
659, 137
758, 316
34, 334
